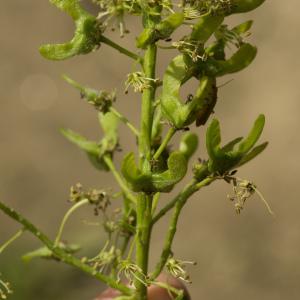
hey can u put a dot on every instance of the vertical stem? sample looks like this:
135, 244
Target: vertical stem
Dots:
144, 214
144, 203
147, 108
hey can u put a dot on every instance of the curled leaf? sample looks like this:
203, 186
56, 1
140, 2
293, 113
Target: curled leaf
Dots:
188, 144
87, 33
196, 108
177, 168
154, 182
239, 61
134, 176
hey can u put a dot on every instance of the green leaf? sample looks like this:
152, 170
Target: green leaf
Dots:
253, 153
133, 175
110, 125
230, 145
93, 150
83, 143
253, 136
243, 6
239, 61
177, 168
213, 139
87, 33
224, 159
205, 27
188, 144
220, 160
162, 30
101, 100
167, 26
243, 28
179, 113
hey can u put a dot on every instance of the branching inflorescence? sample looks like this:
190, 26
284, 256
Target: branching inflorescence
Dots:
202, 55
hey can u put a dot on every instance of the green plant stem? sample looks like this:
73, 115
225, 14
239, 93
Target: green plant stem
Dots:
155, 202
121, 49
178, 203
119, 179
144, 203
60, 253
165, 143
148, 100
12, 239
125, 121
66, 217
144, 209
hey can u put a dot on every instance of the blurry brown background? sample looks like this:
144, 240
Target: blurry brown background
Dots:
252, 256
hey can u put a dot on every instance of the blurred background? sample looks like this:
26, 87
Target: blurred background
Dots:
251, 256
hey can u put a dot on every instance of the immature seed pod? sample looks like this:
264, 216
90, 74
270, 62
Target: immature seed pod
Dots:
243, 6
239, 61
205, 27
87, 34
161, 31
182, 114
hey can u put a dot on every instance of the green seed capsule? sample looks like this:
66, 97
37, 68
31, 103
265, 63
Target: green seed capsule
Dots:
239, 61
243, 6
86, 38
182, 114
205, 27
161, 31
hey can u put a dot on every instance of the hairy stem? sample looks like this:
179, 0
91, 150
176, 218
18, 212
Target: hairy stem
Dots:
60, 253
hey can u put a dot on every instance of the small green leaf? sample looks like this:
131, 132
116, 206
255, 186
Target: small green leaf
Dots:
230, 146
101, 100
110, 124
205, 27
243, 28
253, 136
133, 175
177, 168
253, 153
213, 139
162, 30
188, 144
93, 150
167, 26
83, 143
